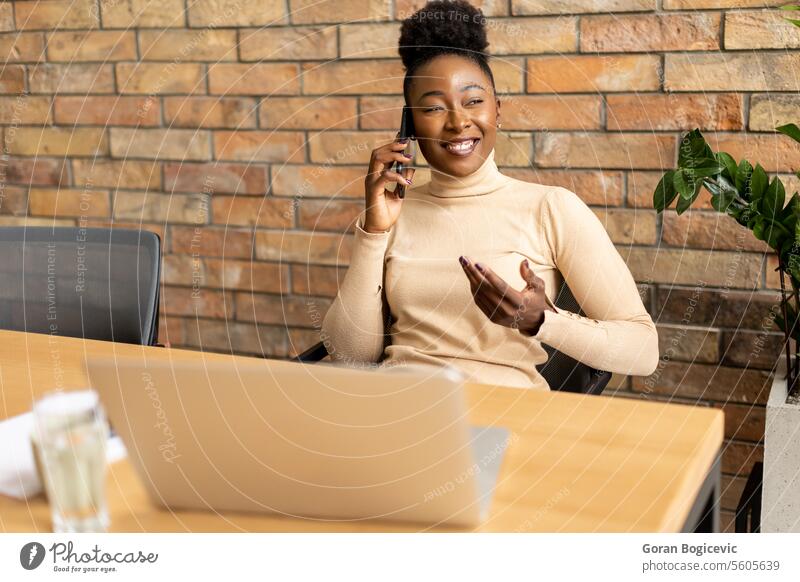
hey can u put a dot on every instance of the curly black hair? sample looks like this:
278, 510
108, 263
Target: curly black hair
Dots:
443, 27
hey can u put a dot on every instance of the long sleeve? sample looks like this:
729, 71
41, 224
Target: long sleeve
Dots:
353, 328
617, 334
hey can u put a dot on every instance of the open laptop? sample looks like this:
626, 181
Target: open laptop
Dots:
316, 441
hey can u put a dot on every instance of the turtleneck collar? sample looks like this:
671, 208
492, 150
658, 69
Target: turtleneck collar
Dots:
487, 178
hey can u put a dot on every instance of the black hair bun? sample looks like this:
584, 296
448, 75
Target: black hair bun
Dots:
441, 27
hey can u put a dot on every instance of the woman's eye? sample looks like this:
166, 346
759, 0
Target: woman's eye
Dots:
476, 101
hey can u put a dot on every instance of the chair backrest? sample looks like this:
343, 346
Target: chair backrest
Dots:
92, 283
563, 372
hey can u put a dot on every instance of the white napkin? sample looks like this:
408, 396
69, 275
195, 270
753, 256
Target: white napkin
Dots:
18, 476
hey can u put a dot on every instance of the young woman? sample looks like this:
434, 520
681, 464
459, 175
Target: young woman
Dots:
462, 270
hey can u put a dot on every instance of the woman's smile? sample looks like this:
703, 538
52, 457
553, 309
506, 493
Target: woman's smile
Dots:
461, 148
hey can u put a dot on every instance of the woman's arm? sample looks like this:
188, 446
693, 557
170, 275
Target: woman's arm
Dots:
617, 334
353, 328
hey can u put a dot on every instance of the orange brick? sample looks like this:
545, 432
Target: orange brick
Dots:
315, 280
732, 71
117, 174
315, 11
626, 226
532, 35
768, 111
160, 144
539, 112
256, 79
54, 14
37, 171
267, 212
12, 79
216, 178
759, 30
675, 111
574, 73
380, 112
236, 337
650, 32
330, 215
163, 208
595, 187
708, 230
259, 146
221, 13
319, 180
66, 202
353, 77
211, 242
94, 45
278, 310
288, 43
577, 6
22, 47
691, 267
508, 74
775, 152
620, 150
189, 302
132, 14
13, 201
107, 110
210, 112
188, 45
6, 16
246, 275
369, 40
80, 78
303, 247
347, 147
308, 113
58, 141
514, 149
160, 78
25, 109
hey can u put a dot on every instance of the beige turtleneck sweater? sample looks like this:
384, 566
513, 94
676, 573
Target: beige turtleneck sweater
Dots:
412, 273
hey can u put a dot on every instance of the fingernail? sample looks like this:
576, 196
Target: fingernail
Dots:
408, 181
404, 140
479, 267
462, 260
409, 156
526, 263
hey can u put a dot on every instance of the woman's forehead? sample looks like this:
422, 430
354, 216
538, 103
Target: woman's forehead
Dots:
449, 75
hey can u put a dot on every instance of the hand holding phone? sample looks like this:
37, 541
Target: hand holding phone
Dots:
382, 204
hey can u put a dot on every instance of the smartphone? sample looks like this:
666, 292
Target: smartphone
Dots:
406, 130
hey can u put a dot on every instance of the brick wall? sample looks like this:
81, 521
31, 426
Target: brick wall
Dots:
240, 132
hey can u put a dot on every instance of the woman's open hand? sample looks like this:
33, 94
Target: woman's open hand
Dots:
523, 310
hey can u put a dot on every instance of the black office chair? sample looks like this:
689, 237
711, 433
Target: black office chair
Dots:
92, 283
748, 510
561, 371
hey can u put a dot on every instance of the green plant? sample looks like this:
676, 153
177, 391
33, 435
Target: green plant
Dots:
792, 7
747, 194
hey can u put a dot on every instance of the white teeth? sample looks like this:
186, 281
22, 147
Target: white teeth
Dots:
461, 147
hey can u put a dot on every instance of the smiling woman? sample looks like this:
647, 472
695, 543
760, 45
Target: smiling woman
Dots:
463, 270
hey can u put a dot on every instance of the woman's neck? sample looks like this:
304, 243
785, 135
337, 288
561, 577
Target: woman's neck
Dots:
487, 178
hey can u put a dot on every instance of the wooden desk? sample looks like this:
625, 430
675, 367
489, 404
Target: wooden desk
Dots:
576, 463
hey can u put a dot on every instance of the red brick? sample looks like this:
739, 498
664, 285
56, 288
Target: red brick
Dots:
160, 144
22, 47
211, 112
117, 174
12, 79
259, 146
612, 150
106, 110
253, 79
57, 141
266, 212
280, 310
319, 180
708, 230
330, 215
13, 201
215, 177
308, 113
675, 111
540, 112
96, 45
186, 301
303, 247
316, 280
211, 242
596, 187
650, 32
36, 171
250, 276
236, 337
380, 112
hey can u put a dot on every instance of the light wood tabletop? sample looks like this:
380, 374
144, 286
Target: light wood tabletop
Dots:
575, 463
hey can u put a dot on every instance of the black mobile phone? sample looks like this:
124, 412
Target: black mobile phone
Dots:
406, 130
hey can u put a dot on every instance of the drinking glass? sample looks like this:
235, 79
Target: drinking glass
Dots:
70, 433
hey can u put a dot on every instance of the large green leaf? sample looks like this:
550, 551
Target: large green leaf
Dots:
774, 198
758, 183
723, 194
743, 173
685, 203
791, 130
665, 192
693, 147
730, 164
683, 184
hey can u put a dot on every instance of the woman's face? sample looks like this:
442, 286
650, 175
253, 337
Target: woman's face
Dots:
452, 99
